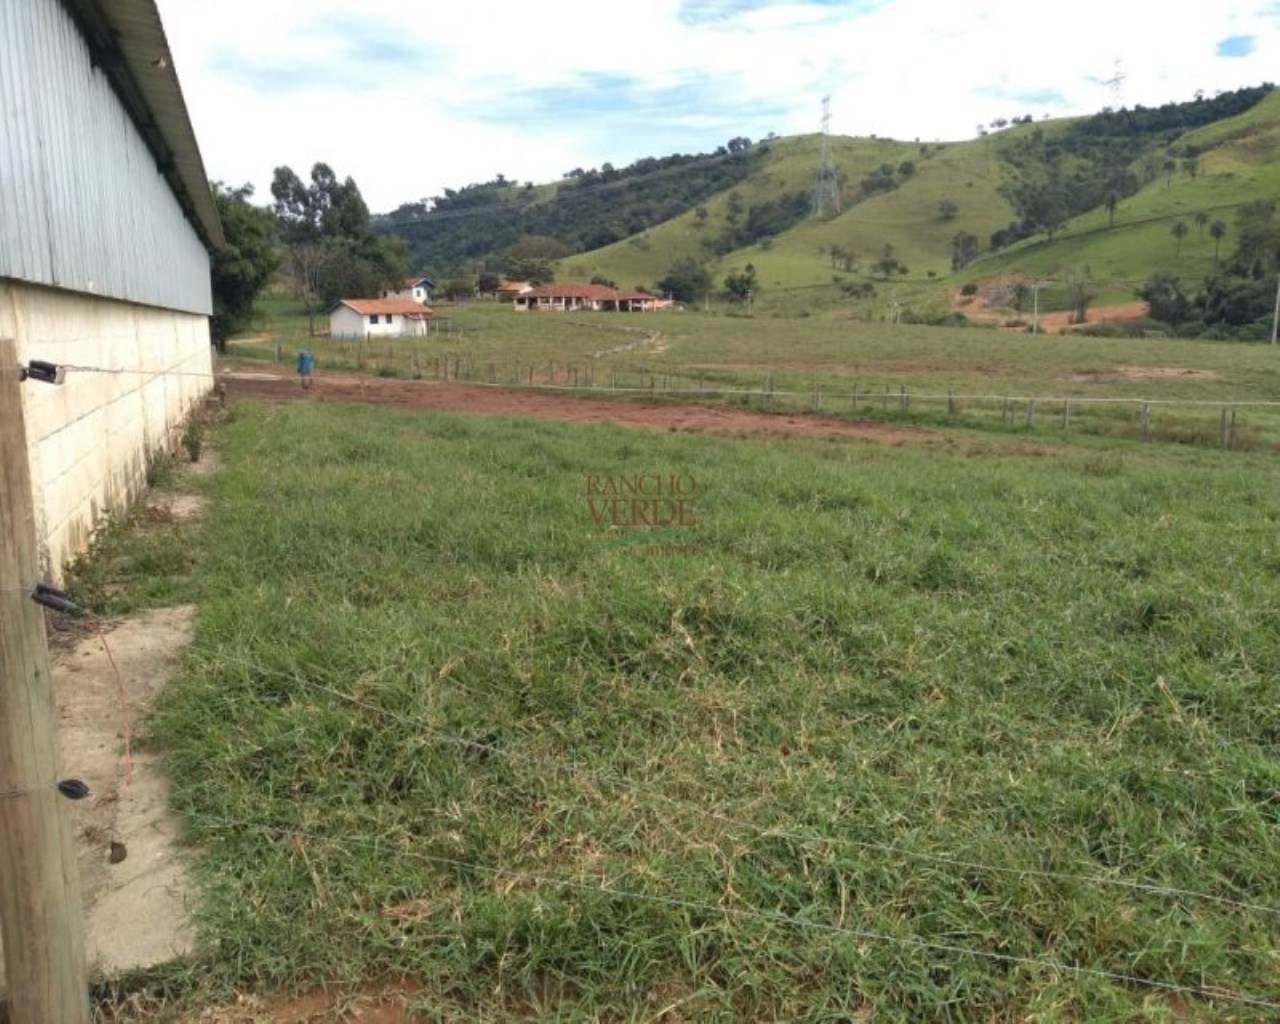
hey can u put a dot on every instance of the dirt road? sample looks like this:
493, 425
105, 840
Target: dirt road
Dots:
480, 400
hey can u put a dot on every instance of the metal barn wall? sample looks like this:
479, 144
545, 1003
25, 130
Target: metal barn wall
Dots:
92, 438
82, 205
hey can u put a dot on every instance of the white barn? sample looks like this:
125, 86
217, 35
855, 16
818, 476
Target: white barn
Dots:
106, 224
378, 318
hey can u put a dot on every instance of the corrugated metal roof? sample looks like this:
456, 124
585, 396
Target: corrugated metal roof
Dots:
127, 40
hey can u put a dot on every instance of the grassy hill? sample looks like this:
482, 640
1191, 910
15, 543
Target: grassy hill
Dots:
1234, 163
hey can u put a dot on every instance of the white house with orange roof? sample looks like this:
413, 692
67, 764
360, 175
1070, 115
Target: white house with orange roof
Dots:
378, 318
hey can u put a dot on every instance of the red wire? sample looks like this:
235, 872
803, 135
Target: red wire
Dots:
126, 728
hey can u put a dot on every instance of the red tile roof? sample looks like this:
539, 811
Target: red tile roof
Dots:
593, 292
372, 307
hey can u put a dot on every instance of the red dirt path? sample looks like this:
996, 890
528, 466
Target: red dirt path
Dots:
478, 400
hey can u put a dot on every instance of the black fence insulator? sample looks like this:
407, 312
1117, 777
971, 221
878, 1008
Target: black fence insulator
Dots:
52, 597
49, 373
73, 789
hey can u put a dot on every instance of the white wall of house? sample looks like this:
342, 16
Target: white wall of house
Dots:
92, 438
345, 322
416, 294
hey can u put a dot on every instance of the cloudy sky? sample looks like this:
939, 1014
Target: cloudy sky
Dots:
411, 98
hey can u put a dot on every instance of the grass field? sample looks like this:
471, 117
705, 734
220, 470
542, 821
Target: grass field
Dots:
909, 734
817, 361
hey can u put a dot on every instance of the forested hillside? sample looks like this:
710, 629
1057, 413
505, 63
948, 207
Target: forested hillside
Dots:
450, 233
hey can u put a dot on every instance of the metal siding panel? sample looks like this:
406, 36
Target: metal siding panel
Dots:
82, 205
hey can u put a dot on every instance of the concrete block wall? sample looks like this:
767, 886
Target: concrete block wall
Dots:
92, 438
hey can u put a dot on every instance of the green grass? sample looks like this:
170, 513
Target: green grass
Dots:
436, 724
1238, 163
808, 355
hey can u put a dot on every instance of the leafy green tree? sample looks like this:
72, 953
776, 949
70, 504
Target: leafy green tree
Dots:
1217, 230
333, 252
1164, 295
242, 269
888, 263
487, 283
1111, 202
965, 248
948, 208
1201, 220
1169, 166
1191, 167
685, 281
1179, 231
741, 285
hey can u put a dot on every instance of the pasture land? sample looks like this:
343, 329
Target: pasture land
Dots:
977, 377
970, 732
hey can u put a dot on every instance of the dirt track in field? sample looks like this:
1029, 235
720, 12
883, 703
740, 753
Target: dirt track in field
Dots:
478, 400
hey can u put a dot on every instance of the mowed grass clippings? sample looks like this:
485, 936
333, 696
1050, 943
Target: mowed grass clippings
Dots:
869, 749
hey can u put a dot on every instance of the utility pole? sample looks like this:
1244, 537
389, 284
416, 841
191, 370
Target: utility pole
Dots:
1035, 316
40, 915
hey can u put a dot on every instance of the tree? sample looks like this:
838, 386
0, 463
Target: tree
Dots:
948, 208
1179, 231
1169, 166
1164, 295
1080, 295
326, 229
242, 269
1191, 167
685, 281
1111, 202
1201, 220
487, 282
742, 285
888, 263
1216, 231
965, 248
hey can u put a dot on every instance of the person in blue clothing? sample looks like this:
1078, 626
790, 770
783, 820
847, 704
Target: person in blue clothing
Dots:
306, 367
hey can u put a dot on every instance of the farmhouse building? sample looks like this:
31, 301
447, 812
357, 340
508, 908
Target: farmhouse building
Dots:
510, 289
106, 225
562, 298
378, 318
414, 289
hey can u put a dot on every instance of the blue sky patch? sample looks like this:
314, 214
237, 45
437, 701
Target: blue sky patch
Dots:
712, 12
1046, 97
1237, 46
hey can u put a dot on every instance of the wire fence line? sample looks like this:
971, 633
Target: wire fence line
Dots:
379, 843
772, 831
609, 781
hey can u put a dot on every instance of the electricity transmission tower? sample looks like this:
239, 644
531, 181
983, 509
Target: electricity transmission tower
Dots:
1116, 84
826, 194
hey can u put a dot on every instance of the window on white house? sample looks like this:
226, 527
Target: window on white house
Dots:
373, 319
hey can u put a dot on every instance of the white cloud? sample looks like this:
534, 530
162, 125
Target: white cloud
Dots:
410, 99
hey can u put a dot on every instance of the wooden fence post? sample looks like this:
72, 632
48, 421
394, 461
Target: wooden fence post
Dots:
40, 914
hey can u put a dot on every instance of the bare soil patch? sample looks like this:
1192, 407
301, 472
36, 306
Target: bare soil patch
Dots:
133, 882
488, 401
1132, 373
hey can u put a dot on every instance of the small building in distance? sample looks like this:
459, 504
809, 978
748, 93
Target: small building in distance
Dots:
510, 289
414, 289
570, 298
378, 318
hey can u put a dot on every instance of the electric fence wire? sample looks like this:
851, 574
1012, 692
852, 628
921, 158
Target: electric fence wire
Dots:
609, 781
379, 844
867, 397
